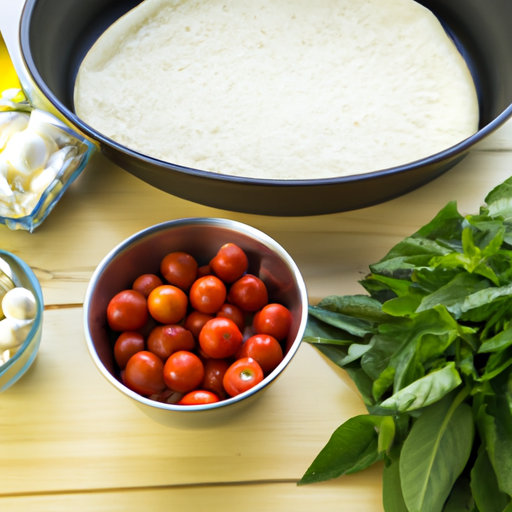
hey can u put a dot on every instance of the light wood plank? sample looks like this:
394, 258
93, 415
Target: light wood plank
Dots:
107, 204
354, 493
63, 427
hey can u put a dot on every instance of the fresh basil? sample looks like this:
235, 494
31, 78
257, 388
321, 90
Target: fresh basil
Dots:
430, 350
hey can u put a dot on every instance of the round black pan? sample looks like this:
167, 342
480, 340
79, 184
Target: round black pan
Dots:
55, 35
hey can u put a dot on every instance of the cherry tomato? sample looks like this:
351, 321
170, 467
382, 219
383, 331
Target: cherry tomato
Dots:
230, 263
264, 349
127, 344
214, 370
199, 396
195, 321
146, 283
144, 373
204, 270
183, 371
273, 319
164, 340
179, 269
242, 375
220, 338
233, 313
167, 304
249, 293
127, 311
207, 294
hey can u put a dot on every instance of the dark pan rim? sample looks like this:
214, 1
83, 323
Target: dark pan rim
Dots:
440, 157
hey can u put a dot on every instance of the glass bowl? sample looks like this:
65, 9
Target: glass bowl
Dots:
65, 164
20, 362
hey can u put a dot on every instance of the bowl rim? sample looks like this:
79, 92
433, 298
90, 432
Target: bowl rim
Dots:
39, 314
437, 158
229, 224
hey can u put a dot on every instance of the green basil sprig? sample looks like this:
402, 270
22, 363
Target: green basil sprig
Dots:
430, 351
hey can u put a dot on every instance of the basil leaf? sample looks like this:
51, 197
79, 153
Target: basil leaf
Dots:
501, 341
460, 499
347, 323
382, 347
392, 497
497, 363
425, 391
484, 485
454, 294
352, 446
435, 453
359, 306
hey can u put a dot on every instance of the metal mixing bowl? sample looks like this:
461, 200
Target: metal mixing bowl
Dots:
200, 237
55, 35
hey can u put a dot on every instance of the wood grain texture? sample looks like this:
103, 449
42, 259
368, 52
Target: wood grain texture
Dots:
70, 441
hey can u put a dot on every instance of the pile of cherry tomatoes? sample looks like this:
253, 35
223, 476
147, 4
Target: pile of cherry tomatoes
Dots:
197, 334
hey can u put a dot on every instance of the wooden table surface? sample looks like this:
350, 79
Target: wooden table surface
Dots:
70, 442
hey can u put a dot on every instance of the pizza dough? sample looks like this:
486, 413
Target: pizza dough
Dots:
279, 89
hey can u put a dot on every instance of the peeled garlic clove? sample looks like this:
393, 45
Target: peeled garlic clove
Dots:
11, 334
11, 123
26, 151
19, 305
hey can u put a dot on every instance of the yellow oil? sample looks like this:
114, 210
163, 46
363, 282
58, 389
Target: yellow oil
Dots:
8, 77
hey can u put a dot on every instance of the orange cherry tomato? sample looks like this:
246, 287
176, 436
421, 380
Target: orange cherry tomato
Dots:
233, 313
183, 371
220, 338
167, 304
273, 319
146, 283
164, 340
144, 373
127, 344
249, 293
264, 349
179, 269
242, 375
207, 294
197, 397
230, 263
127, 311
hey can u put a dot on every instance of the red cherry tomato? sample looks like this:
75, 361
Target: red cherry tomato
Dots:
146, 283
207, 294
144, 373
127, 311
179, 269
220, 338
183, 371
214, 370
204, 270
197, 397
242, 375
273, 319
195, 321
230, 263
233, 313
249, 293
127, 344
167, 304
264, 349
164, 340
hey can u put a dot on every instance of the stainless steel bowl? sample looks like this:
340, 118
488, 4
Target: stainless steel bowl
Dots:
201, 237
55, 35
